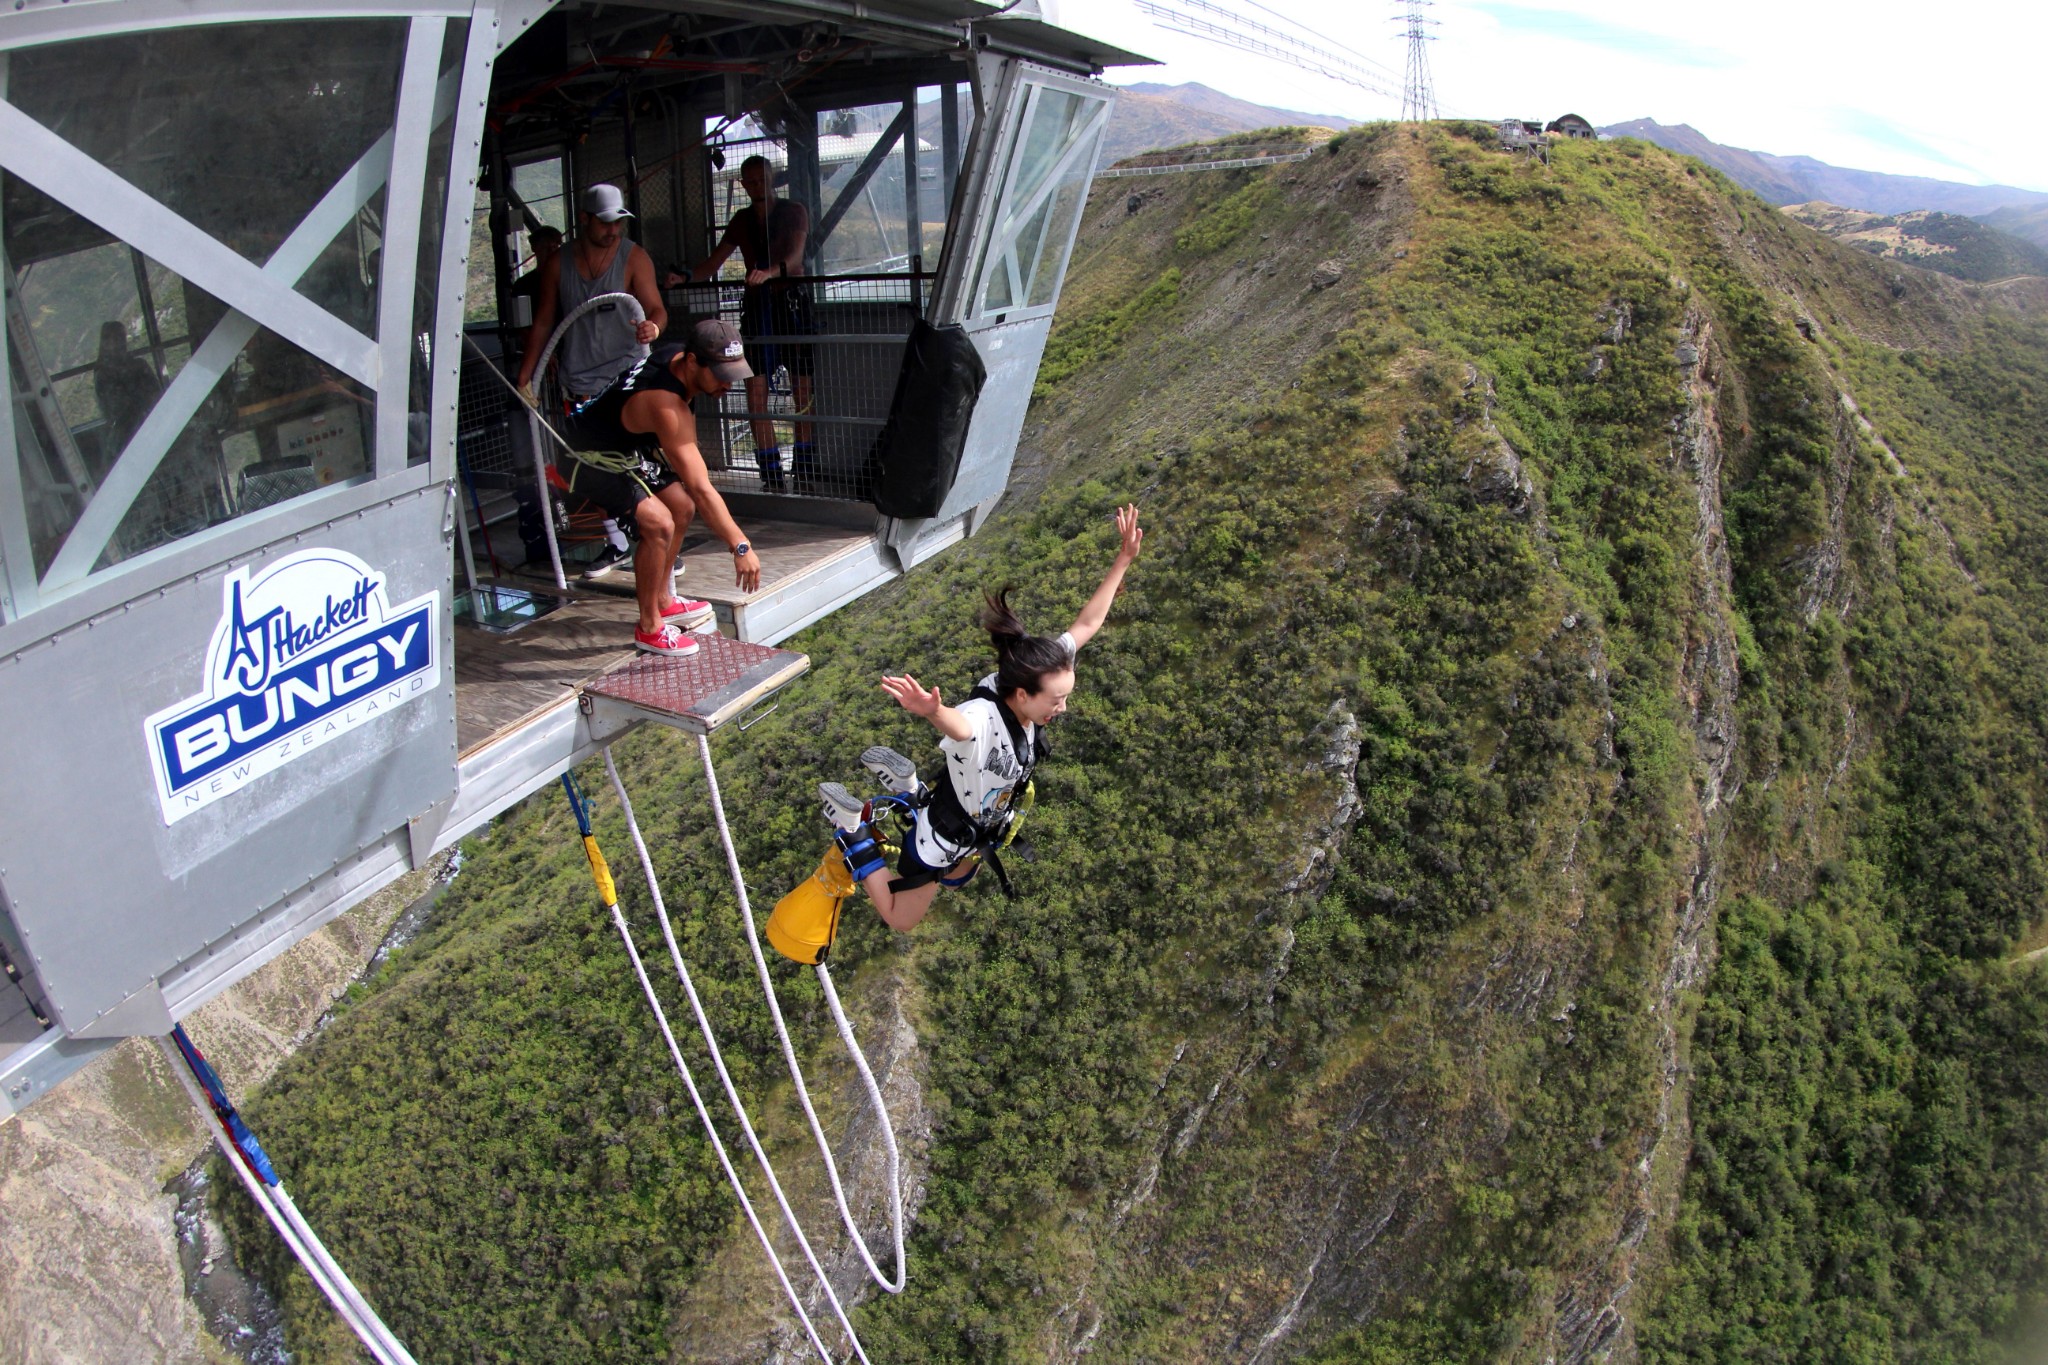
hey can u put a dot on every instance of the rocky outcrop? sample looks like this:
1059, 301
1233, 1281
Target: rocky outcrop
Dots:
1592, 1311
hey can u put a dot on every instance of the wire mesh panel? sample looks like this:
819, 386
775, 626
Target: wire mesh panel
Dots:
825, 355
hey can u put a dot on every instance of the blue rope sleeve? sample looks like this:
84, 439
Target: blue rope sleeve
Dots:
216, 1095
579, 803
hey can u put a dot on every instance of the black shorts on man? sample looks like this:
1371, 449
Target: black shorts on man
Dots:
772, 318
617, 468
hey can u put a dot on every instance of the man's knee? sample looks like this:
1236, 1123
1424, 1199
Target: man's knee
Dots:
653, 517
680, 504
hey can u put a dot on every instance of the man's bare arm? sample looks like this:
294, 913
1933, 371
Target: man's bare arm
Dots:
673, 424
640, 284
543, 324
708, 267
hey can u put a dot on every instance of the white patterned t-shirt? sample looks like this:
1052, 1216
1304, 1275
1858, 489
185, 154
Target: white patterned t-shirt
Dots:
983, 768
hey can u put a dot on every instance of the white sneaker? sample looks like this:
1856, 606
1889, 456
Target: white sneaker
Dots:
892, 769
842, 807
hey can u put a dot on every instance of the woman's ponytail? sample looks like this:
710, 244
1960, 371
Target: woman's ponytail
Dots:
1022, 659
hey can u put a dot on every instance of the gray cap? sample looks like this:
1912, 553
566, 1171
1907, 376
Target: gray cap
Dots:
718, 345
605, 203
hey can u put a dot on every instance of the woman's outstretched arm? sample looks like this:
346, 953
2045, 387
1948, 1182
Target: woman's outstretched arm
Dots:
1097, 611
918, 702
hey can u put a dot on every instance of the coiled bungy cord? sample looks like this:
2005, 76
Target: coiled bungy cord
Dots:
608, 892
860, 1061
635, 315
245, 1154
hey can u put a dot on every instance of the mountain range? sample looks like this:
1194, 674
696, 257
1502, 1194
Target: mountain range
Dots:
1149, 116
1545, 862
1803, 179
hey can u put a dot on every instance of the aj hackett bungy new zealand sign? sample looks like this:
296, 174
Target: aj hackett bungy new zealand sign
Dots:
305, 651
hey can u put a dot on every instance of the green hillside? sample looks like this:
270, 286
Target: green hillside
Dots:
1947, 242
1540, 864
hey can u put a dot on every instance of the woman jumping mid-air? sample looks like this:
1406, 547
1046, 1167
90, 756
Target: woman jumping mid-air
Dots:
991, 743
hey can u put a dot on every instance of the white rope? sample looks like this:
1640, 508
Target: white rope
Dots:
292, 1228
725, 1079
717, 1145
796, 1074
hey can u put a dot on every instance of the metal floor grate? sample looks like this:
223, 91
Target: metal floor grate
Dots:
701, 691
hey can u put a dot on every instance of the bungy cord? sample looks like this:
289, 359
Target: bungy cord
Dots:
260, 1178
796, 1074
718, 1064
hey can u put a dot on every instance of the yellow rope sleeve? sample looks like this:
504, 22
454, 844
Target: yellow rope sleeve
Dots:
601, 871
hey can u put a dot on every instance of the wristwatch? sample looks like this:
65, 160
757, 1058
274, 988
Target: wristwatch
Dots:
742, 550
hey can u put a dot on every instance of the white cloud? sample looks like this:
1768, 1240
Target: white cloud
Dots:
1879, 85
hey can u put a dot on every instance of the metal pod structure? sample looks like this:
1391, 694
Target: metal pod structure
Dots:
255, 260
242, 250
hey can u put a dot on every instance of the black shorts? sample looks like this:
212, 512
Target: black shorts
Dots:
770, 319
913, 871
617, 494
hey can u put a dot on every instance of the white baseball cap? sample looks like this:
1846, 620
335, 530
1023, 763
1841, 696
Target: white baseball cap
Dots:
605, 203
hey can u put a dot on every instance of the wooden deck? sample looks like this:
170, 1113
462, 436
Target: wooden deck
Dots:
501, 681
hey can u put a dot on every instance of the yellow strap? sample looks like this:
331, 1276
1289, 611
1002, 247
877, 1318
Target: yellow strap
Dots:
601, 871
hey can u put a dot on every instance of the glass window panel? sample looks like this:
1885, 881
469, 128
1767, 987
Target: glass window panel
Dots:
935, 173
77, 400
540, 185
1069, 197
480, 303
343, 279
54, 480
1052, 122
279, 424
872, 234
239, 128
167, 306
68, 299
1039, 202
998, 296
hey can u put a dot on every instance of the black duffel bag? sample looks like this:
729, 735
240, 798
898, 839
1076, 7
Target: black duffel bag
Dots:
918, 454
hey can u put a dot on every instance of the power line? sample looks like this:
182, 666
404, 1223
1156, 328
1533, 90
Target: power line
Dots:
1323, 37
1306, 56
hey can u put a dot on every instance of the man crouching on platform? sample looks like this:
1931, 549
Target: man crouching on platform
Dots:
637, 458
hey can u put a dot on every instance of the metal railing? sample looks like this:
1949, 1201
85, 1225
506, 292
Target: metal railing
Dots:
825, 353
1115, 172
827, 368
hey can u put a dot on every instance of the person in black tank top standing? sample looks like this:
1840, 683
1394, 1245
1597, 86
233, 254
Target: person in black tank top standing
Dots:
770, 235
640, 462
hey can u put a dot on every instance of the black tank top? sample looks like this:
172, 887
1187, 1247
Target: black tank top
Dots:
597, 424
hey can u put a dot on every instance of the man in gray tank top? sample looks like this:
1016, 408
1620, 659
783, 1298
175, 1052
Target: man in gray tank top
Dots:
602, 261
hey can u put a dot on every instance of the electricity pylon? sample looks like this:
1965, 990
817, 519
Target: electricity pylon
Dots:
1418, 96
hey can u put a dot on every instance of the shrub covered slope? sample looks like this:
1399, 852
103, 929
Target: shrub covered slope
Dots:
1542, 862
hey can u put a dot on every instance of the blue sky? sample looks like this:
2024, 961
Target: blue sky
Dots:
1879, 84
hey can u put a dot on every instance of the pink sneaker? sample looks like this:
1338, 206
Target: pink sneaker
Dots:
689, 613
668, 640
